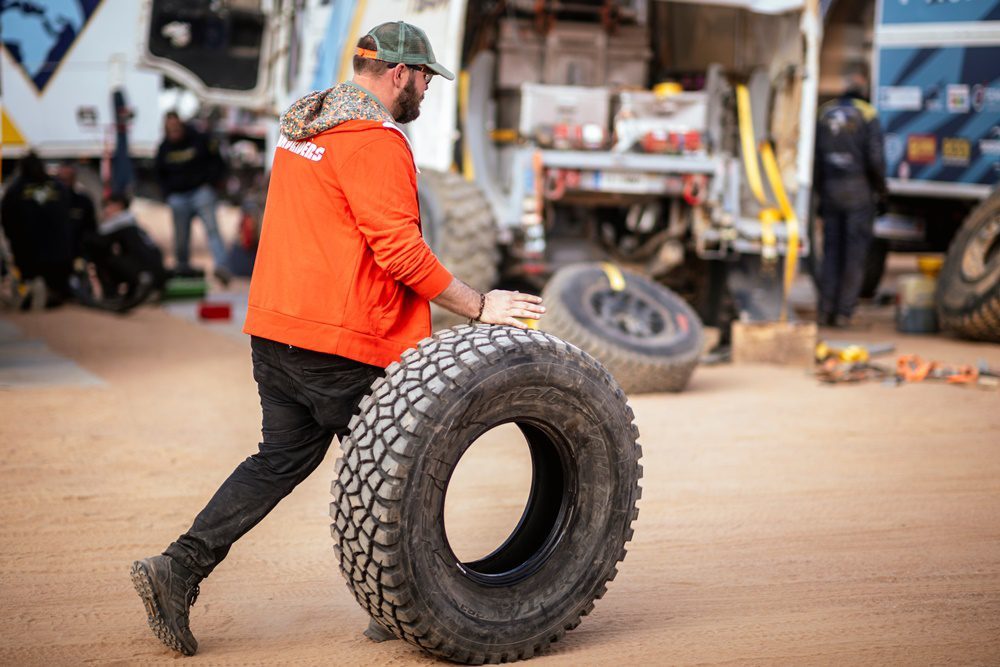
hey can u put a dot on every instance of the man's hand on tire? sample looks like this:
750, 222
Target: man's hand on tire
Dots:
503, 307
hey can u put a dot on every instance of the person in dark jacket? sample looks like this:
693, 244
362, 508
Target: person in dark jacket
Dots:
850, 180
128, 262
36, 219
82, 216
187, 166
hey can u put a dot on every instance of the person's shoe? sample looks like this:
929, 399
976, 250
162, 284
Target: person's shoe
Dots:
850, 323
168, 590
187, 272
223, 275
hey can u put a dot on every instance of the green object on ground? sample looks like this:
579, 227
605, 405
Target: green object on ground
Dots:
185, 288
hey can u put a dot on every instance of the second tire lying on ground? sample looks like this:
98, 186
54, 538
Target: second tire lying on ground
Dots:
388, 505
968, 291
644, 334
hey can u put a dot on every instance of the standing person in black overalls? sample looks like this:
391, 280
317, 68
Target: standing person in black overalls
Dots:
850, 180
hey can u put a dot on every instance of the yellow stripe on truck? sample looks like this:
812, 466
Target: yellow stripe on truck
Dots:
791, 221
748, 145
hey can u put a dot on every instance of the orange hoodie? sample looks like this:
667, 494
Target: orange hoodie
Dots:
342, 266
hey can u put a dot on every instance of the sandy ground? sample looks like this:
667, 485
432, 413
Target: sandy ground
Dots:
782, 522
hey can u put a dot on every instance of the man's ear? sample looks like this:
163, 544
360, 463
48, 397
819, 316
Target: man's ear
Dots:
399, 75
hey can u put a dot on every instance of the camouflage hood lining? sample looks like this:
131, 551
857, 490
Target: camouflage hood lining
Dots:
322, 110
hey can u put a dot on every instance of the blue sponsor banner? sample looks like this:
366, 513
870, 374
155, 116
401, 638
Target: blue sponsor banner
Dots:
895, 12
940, 111
39, 33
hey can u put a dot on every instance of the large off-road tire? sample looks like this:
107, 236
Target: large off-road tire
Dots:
646, 336
968, 291
459, 227
389, 494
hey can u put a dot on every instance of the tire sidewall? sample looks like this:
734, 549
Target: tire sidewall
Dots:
681, 337
598, 505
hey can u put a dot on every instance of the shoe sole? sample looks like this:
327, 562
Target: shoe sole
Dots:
144, 587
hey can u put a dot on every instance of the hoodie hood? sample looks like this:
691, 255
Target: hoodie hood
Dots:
322, 110
118, 221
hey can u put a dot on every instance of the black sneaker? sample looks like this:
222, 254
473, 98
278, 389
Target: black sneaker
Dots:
168, 590
851, 323
223, 275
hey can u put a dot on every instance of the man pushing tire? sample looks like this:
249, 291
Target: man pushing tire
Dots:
341, 288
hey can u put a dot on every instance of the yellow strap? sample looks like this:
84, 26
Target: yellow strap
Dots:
768, 241
468, 170
747, 143
774, 179
791, 221
614, 275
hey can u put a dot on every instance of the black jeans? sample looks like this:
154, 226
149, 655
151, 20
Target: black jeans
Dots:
847, 234
306, 398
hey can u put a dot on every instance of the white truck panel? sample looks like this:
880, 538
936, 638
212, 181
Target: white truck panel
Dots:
72, 115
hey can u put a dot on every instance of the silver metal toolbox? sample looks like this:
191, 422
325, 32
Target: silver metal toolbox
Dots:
545, 106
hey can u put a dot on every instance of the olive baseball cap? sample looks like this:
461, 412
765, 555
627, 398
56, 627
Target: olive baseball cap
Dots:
401, 42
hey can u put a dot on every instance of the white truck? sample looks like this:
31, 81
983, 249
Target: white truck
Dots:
60, 63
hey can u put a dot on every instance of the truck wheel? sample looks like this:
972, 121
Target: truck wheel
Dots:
389, 494
646, 336
458, 225
968, 291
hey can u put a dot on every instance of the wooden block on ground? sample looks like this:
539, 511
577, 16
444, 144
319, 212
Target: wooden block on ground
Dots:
784, 343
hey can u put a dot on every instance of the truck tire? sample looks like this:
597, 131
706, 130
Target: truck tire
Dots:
458, 226
646, 336
968, 290
388, 496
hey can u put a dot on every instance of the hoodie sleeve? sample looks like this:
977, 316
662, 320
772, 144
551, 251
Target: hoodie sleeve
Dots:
380, 185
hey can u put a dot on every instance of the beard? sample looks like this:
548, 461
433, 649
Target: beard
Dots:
408, 104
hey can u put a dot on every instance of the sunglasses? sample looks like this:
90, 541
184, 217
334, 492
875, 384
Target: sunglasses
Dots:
420, 68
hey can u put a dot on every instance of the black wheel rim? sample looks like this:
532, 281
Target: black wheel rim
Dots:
547, 514
629, 313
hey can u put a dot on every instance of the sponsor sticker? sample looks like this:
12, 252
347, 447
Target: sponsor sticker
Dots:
958, 98
921, 148
894, 147
978, 97
900, 98
955, 151
990, 101
991, 146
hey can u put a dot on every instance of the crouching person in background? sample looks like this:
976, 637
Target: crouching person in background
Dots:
128, 264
